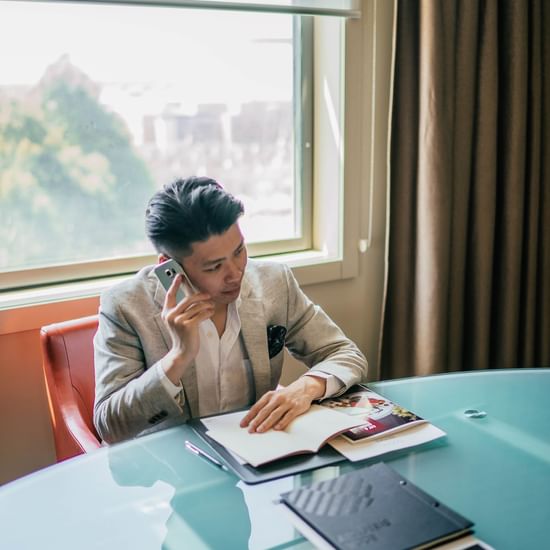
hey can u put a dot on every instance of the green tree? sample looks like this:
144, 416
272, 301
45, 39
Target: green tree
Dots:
72, 185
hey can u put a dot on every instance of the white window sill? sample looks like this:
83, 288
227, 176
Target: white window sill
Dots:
32, 308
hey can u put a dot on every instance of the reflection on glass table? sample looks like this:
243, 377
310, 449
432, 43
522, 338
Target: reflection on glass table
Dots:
493, 467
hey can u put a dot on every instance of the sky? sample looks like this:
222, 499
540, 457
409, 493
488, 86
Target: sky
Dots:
216, 56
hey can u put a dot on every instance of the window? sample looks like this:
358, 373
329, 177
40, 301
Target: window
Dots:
106, 103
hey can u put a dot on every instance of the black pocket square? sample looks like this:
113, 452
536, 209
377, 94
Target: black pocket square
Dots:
275, 339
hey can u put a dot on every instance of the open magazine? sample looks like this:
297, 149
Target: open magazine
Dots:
381, 416
368, 420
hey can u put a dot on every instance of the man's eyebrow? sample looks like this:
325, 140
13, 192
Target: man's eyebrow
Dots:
218, 260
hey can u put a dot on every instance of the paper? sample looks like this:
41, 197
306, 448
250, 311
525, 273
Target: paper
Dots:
306, 433
415, 435
211, 421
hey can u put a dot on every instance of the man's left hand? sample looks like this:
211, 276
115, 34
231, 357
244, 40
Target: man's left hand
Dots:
277, 409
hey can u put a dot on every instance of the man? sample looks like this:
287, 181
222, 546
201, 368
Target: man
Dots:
159, 362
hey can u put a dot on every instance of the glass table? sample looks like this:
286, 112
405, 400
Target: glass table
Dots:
493, 467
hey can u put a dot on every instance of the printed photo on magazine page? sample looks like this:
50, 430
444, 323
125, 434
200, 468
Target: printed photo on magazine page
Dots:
381, 415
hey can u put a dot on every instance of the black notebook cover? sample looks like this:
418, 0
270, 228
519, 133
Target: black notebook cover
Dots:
375, 508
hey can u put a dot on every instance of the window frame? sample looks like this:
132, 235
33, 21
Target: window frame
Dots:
66, 273
328, 259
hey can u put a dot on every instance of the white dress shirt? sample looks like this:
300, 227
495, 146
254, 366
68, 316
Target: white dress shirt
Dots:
224, 374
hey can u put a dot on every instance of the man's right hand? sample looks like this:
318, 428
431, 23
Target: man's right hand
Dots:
182, 321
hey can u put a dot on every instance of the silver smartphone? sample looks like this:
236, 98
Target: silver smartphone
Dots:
166, 272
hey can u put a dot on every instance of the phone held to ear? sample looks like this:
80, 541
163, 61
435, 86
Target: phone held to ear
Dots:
166, 273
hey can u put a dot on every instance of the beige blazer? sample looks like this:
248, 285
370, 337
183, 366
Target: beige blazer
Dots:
132, 338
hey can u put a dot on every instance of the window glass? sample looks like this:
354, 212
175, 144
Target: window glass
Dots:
100, 105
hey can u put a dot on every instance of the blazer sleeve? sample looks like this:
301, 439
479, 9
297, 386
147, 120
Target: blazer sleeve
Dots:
314, 339
129, 398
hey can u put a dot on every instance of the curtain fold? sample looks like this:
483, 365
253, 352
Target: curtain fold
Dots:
468, 277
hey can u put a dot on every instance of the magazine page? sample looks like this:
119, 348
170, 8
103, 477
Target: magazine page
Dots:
380, 416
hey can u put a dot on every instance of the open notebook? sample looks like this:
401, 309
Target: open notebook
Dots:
359, 425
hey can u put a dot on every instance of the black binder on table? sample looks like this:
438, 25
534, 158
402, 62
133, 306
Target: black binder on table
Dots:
373, 508
282, 467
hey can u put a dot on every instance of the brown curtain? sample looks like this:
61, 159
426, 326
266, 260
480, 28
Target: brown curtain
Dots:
468, 280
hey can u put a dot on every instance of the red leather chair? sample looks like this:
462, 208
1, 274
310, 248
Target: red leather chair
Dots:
68, 354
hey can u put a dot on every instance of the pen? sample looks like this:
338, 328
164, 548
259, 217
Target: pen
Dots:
199, 452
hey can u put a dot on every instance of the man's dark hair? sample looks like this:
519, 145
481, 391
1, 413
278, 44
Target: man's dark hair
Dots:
187, 211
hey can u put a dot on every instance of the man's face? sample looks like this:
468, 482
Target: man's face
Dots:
217, 265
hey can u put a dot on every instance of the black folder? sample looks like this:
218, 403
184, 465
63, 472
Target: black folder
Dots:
374, 508
282, 467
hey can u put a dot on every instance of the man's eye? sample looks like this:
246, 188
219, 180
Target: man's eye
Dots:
214, 268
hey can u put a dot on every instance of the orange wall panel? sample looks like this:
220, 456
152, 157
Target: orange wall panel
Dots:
26, 440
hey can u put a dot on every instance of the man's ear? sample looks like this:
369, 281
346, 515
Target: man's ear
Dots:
162, 258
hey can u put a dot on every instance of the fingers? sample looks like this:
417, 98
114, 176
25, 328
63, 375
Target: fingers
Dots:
279, 419
275, 410
254, 410
266, 418
188, 314
170, 300
192, 314
191, 299
287, 418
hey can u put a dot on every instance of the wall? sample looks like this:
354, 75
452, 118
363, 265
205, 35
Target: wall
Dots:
26, 442
25, 434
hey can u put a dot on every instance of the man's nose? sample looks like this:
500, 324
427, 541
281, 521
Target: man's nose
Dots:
234, 271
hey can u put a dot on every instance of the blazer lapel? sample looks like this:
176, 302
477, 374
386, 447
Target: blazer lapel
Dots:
189, 379
253, 329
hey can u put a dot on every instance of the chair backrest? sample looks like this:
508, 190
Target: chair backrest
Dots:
68, 362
